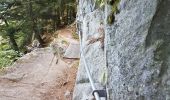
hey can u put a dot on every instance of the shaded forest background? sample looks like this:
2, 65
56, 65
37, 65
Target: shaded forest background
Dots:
22, 21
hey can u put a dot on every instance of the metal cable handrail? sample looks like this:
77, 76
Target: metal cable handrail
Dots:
90, 77
87, 68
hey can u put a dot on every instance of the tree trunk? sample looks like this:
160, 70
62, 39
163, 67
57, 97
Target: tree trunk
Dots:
38, 36
34, 25
55, 18
13, 42
67, 19
58, 18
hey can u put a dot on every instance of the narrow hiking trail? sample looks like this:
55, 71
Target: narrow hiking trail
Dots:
32, 77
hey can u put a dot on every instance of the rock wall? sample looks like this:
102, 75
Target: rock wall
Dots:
138, 53
91, 25
137, 48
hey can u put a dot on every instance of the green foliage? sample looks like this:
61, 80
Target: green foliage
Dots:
100, 3
35, 16
4, 44
22, 20
111, 18
7, 57
75, 35
114, 5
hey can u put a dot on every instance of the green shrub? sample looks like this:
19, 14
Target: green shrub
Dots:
8, 57
75, 35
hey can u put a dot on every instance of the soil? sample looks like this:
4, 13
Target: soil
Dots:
34, 77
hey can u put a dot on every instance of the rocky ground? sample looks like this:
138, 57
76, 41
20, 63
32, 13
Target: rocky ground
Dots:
35, 77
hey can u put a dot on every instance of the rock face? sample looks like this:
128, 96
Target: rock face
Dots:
138, 51
91, 26
137, 48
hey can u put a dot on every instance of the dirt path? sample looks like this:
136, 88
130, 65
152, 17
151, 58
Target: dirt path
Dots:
66, 34
33, 78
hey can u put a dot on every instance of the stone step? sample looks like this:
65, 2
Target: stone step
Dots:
73, 51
